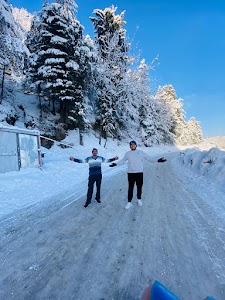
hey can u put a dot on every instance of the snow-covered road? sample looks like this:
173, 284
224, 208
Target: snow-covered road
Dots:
59, 250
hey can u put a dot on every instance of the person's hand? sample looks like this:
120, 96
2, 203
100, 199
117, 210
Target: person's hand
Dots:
113, 165
71, 158
162, 159
117, 157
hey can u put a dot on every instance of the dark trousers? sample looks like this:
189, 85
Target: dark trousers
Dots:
132, 179
91, 181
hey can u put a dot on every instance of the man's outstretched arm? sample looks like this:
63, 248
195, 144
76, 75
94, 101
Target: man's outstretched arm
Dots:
150, 159
121, 162
110, 159
77, 160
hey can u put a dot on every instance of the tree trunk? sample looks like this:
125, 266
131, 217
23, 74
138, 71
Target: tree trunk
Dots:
64, 111
105, 141
81, 137
2, 84
100, 134
53, 103
49, 98
39, 99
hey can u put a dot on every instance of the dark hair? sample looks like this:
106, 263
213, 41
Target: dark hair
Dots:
133, 142
94, 149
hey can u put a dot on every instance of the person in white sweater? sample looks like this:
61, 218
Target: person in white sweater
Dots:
135, 160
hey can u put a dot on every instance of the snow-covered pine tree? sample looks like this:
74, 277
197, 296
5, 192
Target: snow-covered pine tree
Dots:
69, 5
22, 17
112, 61
184, 132
163, 122
146, 107
130, 107
32, 79
192, 133
110, 85
106, 24
168, 95
85, 54
196, 130
12, 50
55, 66
153, 128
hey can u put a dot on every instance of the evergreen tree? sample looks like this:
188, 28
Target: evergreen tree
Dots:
85, 55
196, 131
34, 42
12, 50
106, 24
153, 124
23, 18
129, 108
61, 61
69, 5
145, 108
110, 70
191, 134
184, 132
167, 95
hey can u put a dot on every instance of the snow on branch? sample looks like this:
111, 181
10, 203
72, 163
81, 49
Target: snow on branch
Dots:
58, 40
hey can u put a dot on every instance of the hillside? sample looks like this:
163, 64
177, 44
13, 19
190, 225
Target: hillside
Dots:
20, 108
13, 52
216, 141
209, 143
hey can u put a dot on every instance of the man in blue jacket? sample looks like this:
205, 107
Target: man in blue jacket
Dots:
95, 173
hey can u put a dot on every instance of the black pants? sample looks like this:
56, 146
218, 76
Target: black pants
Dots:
91, 181
132, 179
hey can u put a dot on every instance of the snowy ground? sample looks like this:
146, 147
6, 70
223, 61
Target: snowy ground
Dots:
58, 175
53, 248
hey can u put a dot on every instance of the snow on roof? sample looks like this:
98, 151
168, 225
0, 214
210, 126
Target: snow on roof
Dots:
16, 129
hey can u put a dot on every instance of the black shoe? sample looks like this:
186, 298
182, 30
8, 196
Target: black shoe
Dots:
98, 201
86, 205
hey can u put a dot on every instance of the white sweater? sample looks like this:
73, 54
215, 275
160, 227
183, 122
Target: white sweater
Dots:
135, 160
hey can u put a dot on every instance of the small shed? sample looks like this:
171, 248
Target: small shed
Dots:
19, 148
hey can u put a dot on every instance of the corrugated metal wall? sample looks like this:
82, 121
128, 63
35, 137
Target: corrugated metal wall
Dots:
9, 158
19, 149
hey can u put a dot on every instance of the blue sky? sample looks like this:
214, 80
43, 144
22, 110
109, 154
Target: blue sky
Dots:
188, 36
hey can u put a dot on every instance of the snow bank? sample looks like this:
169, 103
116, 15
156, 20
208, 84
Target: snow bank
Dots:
210, 164
59, 175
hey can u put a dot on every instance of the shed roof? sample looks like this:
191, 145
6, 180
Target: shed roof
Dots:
16, 129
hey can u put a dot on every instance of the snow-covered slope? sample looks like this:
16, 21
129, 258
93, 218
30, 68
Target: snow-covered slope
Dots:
13, 52
58, 171
206, 159
23, 17
19, 108
207, 163
216, 141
